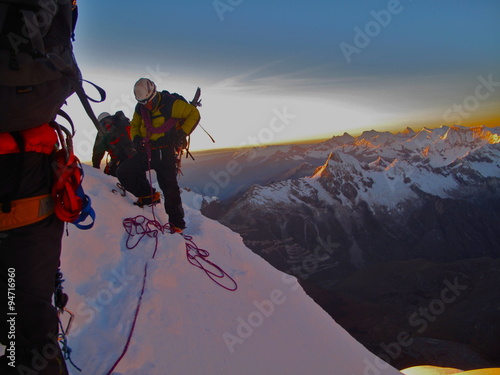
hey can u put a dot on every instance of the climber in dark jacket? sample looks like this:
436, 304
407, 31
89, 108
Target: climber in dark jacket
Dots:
30, 247
114, 139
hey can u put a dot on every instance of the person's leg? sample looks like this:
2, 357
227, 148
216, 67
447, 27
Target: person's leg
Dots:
166, 172
29, 259
132, 175
31, 254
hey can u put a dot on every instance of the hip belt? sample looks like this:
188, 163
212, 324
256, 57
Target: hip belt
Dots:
26, 211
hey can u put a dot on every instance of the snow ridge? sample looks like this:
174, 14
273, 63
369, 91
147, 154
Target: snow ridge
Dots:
188, 324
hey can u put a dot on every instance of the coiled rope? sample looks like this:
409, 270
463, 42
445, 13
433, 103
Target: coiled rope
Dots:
140, 226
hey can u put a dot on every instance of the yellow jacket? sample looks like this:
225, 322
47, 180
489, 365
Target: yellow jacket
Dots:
188, 116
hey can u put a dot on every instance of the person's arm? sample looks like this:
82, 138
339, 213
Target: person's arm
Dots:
98, 150
135, 125
187, 112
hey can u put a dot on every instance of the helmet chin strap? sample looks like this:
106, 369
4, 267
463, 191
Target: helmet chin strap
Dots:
153, 103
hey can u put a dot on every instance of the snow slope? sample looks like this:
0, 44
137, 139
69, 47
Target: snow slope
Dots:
188, 324
433, 370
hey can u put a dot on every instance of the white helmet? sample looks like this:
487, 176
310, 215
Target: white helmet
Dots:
144, 90
102, 116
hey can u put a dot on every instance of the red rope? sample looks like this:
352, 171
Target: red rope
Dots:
148, 123
141, 226
136, 314
198, 257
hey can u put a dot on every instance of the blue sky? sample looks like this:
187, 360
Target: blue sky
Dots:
275, 71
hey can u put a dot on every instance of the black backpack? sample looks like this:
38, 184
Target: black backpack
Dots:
38, 71
168, 100
118, 137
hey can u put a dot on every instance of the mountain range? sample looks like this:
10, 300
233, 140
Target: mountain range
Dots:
426, 202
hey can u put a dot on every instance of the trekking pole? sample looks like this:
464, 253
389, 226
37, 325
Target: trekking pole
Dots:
197, 103
213, 140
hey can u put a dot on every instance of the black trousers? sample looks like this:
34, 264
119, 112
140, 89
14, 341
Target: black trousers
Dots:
132, 175
29, 259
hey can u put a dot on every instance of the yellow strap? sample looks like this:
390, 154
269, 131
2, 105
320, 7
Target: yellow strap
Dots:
27, 211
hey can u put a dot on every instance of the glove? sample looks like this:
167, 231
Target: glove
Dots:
139, 144
180, 139
159, 143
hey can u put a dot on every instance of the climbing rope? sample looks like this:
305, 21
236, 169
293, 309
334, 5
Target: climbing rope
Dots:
198, 257
139, 227
134, 321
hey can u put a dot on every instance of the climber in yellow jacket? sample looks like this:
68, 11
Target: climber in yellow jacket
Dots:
159, 127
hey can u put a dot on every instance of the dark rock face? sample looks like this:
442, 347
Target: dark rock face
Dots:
345, 239
418, 311
397, 237
335, 259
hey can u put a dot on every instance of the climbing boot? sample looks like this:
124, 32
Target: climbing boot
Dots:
148, 200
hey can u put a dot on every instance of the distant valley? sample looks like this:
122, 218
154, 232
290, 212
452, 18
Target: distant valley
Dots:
422, 208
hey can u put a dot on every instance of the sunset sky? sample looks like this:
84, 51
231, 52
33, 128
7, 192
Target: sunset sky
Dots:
277, 71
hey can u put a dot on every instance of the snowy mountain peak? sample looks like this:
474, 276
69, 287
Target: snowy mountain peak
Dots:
459, 135
374, 138
187, 324
340, 139
382, 168
323, 170
380, 164
408, 131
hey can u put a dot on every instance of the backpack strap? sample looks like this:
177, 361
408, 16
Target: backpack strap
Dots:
84, 99
167, 103
34, 33
65, 116
77, 86
165, 106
